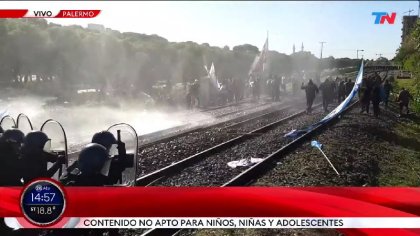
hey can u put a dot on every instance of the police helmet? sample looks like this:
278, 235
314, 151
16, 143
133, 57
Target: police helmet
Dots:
35, 140
104, 138
14, 135
92, 159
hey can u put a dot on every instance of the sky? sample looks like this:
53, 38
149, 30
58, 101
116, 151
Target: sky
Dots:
345, 26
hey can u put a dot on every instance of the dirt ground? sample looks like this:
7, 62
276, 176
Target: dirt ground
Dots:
366, 151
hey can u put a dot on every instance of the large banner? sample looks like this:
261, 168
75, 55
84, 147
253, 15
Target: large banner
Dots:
337, 111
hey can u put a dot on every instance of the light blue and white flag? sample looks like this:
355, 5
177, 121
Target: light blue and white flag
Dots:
316, 144
338, 110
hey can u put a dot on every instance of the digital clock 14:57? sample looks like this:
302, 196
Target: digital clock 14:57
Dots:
44, 198
43, 202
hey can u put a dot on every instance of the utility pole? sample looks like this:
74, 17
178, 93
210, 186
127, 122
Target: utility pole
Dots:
322, 46
320, 63
409, 11
359, 50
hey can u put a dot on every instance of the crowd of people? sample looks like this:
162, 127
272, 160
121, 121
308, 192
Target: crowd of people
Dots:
376, 90
373, 90
204, 92
331, 91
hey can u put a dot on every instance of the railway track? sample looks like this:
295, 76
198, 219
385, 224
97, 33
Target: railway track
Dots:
169, 154
253, 173
258, 143
173, 132
232, 135
167, 134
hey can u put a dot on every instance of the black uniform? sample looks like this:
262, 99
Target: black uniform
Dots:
88, 175
10, 172
34, 164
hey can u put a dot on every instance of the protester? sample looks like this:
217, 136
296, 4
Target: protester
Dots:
327, 93
404, 99
387, 88
376, 96
342, 90
311, 90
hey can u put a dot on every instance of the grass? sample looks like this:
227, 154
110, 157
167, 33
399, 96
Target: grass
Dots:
402, 166
407, 84
413, 87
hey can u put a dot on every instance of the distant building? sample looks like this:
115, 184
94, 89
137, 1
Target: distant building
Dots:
97, 27
294, 48
408, 24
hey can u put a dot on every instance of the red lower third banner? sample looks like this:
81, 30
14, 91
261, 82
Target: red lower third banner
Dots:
228, 202
205, 202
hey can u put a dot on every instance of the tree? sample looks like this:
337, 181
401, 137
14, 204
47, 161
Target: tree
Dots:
80, 58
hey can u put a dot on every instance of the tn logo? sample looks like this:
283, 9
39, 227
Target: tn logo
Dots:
381, 17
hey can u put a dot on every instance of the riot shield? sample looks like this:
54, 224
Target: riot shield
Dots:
23, 123
127, 135
55, 131
7, 122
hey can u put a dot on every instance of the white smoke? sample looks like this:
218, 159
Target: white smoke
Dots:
81, 122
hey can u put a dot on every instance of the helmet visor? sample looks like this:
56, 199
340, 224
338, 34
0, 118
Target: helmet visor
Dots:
47, 146
113, 150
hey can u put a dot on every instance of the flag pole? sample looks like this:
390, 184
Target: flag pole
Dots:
328, 161
267, 38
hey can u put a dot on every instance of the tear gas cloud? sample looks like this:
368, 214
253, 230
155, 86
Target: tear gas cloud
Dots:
81, 122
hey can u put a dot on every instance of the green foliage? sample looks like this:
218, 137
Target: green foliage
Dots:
408, 56
76, 57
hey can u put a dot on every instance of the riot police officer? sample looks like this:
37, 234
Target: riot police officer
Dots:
92, 167
10, 143
117, 152
106, 139
35, 155
13, 134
